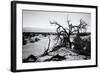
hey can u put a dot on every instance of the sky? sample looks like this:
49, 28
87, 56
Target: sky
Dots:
39, 21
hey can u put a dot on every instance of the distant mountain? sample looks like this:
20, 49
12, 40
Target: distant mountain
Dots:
48, 30
29, 29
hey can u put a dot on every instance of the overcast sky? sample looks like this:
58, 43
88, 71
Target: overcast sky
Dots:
40, 19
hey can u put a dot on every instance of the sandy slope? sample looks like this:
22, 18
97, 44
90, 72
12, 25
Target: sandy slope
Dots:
38, 48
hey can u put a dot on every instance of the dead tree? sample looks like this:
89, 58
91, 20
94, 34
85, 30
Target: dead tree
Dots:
67, 32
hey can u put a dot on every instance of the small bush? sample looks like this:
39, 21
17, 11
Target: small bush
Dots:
34, 40
37, 39
24, 42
